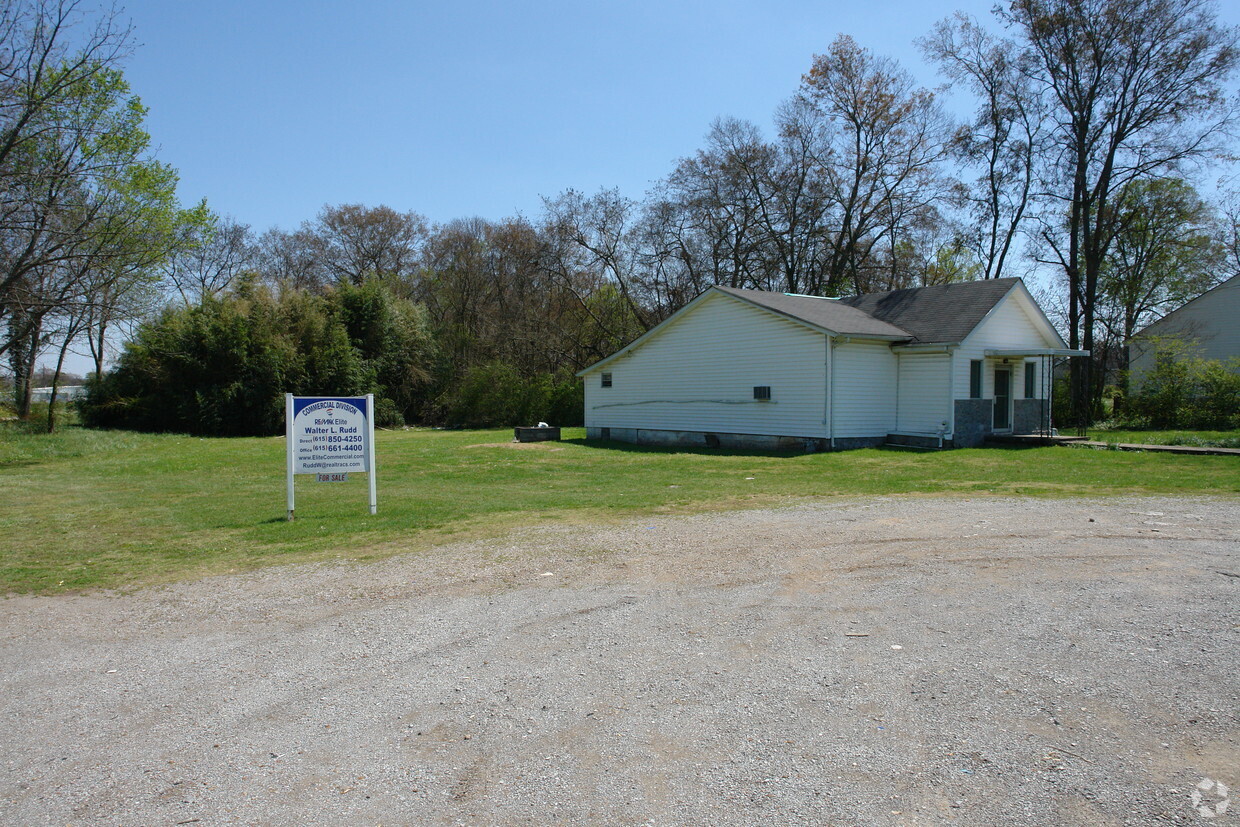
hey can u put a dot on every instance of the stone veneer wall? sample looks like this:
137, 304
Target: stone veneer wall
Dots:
1027, 416
974, 420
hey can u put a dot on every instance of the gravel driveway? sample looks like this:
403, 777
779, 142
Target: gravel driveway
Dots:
886, 661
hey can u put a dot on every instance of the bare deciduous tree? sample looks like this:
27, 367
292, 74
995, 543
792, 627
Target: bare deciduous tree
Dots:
1005, 140
291, 259
881, 147
356, 243
716, 230
1134, 88
209, 259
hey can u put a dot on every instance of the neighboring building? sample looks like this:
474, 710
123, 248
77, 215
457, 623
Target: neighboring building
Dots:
936, 366
65, 393
1209, 325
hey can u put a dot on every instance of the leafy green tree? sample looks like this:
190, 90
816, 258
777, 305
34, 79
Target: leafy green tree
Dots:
392, 337
222, 367
1163, 255
497, 394
63, 118
96, 214
1184, 390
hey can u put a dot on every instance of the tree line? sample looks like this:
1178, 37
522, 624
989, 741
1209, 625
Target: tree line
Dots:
1093, 121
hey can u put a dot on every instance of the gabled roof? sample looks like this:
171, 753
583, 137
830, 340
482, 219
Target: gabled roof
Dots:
830, 315
1212, 292
945, 313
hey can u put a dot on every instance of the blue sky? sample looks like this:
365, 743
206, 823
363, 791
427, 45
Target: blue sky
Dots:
272, 109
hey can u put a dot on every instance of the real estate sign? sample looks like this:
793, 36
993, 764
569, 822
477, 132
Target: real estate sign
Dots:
329, 436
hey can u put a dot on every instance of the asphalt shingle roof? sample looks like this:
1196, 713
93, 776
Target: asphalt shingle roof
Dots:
830, 314
941, 314
944, 314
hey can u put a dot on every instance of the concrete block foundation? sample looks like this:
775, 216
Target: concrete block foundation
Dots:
974, 420
917, 441
742, 442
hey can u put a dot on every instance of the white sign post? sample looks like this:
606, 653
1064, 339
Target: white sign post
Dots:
329, 436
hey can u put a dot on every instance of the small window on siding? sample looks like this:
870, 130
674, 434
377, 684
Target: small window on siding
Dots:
1031, 380
606, 383
975, 379
762, 392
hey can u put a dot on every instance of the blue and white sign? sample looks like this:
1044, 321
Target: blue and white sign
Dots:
329, 436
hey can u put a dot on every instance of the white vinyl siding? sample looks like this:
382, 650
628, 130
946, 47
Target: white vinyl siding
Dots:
1010, 325
1208, 322
923, 404
699, 374
865, 390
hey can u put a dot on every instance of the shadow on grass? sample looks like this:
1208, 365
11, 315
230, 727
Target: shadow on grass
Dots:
706, 451
1014, 446
699, 450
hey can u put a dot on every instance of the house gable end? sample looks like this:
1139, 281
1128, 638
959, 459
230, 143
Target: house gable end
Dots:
1020, 299
712, 294
727, 367
1206, 325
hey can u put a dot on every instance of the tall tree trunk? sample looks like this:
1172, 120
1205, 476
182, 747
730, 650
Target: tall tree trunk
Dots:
51, 400
96, 349
22, 355
60, 363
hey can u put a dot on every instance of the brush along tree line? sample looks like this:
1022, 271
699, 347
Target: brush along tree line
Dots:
1091, 118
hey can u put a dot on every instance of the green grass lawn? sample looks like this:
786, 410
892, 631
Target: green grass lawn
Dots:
86, 509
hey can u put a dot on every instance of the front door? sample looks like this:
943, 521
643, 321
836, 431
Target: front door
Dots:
1003, 399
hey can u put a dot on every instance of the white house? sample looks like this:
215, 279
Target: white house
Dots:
1209, 325
937, 366
64, 393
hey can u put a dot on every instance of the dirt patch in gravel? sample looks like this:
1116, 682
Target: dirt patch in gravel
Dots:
888, 661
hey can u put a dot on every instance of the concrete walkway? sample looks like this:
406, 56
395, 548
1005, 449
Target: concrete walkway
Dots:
1166, 449
1022, 439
